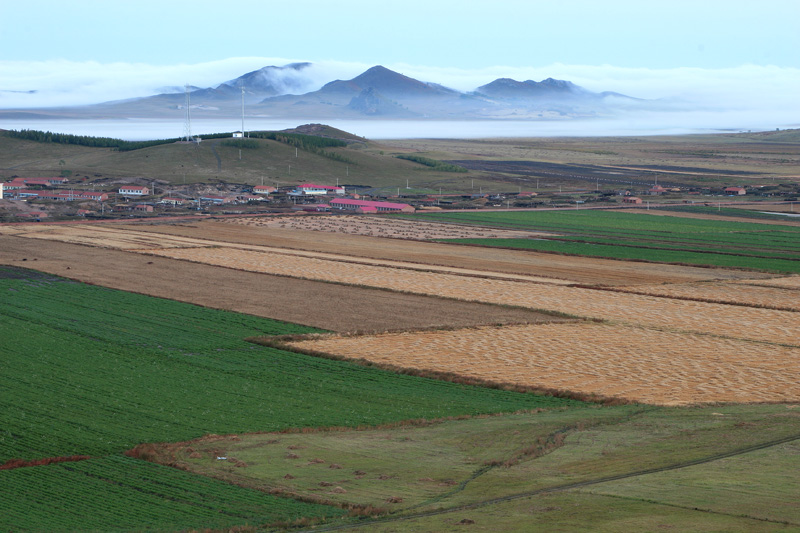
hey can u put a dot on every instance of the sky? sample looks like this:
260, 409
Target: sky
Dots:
737, 53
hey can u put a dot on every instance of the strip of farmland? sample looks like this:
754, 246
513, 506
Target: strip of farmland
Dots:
643, 365
702, 317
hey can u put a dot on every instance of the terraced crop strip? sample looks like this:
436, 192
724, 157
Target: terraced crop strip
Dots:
773, 325
643, 365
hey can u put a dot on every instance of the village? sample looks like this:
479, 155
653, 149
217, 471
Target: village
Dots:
38, 198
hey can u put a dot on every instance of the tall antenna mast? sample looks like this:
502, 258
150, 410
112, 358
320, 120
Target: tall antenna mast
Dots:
187, 125
242, 109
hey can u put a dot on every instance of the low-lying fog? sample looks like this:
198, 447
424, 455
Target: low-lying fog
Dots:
687, 100
652, 124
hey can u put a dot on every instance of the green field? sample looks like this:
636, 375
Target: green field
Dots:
636, 236
86, 370
123, 494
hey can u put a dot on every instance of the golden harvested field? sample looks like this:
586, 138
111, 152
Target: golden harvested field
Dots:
638, 364
758, 293
789, 282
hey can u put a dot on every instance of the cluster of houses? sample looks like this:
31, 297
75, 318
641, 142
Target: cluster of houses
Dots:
310, 197
306, 196
658, 190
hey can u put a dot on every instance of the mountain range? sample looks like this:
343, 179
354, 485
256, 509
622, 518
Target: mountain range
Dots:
378, 92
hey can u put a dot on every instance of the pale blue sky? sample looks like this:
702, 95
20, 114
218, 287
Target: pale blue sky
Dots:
437, 33
729, 58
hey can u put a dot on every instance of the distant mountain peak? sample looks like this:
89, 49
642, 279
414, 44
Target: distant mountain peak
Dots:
550, 88
387, 82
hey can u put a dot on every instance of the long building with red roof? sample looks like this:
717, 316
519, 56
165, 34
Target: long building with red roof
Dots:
368, 206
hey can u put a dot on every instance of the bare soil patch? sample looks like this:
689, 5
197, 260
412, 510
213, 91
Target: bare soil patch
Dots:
644, 365
313, 303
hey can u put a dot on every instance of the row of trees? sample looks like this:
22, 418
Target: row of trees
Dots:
309, 143
433, 163
84, 140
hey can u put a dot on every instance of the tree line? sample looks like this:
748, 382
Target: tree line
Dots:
433, 163
309, 143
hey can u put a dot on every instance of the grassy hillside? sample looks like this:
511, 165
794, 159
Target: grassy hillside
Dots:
360, 163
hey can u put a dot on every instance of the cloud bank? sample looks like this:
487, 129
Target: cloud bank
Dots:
746, 96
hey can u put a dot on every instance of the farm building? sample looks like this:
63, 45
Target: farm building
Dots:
133, 190
738, 191
657, 189
62, 196
45, 182
172, 201
367, 206
215, 199
263, 189
311, 189
144, 208
243, 198
631, 200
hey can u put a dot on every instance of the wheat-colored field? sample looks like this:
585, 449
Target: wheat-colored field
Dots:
771, 294
789, 282
638, 364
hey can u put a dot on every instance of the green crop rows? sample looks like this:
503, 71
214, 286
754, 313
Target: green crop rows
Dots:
86, 370
645, 237
120, 493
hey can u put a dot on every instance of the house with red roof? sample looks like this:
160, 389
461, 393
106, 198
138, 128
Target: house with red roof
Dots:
368, 206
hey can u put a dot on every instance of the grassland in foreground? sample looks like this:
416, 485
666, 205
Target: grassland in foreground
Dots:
605, 468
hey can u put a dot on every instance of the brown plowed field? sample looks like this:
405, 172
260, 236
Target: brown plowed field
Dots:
637, 364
